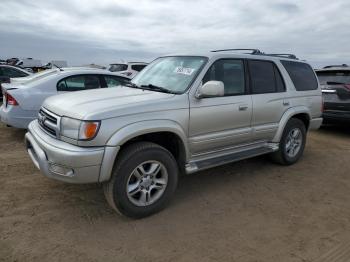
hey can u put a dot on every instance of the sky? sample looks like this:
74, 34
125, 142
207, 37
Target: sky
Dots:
110, 31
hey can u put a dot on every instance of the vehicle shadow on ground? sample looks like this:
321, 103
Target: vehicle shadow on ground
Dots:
338, 129
17, 134
193, 190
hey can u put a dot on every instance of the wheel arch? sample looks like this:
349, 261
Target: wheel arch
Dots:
168, 134
302, 113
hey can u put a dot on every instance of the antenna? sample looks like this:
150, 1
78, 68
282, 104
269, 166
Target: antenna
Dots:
58, 67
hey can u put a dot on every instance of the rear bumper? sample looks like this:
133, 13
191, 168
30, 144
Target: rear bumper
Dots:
66, 162
17, 117
336, 116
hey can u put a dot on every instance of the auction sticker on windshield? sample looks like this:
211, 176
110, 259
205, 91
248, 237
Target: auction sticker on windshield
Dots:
184, 70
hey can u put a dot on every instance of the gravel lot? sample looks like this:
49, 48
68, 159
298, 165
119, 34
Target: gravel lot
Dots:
247, 211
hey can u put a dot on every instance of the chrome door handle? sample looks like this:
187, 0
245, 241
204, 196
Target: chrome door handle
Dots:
243, 107
286, 103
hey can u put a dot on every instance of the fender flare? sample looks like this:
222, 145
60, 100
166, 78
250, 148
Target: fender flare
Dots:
285, 118
146, 127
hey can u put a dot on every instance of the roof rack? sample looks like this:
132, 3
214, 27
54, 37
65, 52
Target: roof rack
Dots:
253, 51
330, 66
290, 56
257, 52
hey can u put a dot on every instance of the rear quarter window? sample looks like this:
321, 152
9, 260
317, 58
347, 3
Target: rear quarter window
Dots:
302, 75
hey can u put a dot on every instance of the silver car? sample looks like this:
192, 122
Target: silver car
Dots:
181, 114
24, 97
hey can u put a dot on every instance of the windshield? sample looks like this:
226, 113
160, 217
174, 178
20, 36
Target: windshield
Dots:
338, 76
174, 73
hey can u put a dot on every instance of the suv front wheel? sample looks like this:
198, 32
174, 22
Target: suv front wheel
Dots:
144, 179
292, 143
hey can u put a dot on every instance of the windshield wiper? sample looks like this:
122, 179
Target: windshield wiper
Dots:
157, 88
130, 84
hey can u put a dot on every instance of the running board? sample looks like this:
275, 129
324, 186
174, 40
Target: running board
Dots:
199, 165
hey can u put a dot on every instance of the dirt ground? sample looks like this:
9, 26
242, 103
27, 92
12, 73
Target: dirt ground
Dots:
247, 211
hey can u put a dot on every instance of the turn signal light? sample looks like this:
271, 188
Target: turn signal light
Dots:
89, 130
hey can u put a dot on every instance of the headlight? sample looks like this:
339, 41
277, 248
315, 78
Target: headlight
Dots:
78, 129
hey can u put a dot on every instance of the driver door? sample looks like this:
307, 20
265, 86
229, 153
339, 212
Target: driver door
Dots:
221, 122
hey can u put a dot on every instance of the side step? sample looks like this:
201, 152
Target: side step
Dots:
222, 160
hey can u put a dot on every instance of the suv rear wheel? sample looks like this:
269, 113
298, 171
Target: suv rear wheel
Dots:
144, 179
292, 143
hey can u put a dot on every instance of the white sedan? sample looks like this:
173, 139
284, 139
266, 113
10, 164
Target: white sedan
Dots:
23, 98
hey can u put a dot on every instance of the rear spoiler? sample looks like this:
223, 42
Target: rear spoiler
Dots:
8, 86
4, 88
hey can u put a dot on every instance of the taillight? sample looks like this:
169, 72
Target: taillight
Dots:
322, 105
10, 100
347, 86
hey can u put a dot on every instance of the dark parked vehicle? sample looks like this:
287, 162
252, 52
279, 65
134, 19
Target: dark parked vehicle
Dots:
8, 71
335, 84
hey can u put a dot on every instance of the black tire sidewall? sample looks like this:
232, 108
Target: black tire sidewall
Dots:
122, 173
292, 124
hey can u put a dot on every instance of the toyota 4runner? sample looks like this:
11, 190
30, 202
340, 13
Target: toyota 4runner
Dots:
182, 114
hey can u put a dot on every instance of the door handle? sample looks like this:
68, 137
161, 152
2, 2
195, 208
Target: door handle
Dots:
243, 107
286, 103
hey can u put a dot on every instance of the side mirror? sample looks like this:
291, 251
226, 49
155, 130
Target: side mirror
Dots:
211, 89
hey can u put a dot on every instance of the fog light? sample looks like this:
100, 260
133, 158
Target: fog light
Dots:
61, 170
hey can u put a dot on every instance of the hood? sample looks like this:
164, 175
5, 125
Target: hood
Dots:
98, 104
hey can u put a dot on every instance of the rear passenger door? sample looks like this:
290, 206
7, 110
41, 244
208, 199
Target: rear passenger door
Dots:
269, 97
78, 83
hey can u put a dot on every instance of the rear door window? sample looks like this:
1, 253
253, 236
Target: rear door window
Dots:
80, 82
302, 75
265, 77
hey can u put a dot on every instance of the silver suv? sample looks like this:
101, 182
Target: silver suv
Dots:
181, 114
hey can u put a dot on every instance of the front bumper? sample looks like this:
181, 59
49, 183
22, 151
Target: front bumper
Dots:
17, 117
66, 162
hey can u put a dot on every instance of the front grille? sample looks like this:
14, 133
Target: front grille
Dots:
48, 122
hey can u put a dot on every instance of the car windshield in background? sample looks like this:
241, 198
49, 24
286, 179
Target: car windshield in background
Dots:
118, 67
172, 73
339, 76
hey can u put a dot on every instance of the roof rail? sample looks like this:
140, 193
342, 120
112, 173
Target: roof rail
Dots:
253, 51
257, 52
330, 66
290, 56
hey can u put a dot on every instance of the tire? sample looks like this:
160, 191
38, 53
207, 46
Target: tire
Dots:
133, 172
283, 156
